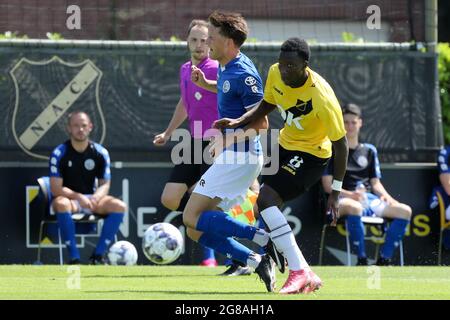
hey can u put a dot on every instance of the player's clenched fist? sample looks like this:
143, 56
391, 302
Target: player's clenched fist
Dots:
197, 76
160, 139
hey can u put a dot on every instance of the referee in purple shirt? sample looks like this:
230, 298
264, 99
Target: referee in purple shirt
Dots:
199, 106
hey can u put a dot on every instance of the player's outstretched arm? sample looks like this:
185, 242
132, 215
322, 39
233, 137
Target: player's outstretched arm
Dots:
327, 182
178, 117
256, 115
340, 148
249, 131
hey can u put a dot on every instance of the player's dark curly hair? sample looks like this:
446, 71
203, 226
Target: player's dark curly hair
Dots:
232, 25
297, 45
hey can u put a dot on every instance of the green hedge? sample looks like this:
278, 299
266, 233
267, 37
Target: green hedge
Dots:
444, 84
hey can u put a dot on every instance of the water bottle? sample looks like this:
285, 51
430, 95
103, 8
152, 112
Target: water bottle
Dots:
361, 188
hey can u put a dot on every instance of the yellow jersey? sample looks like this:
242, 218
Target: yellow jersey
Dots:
311, 113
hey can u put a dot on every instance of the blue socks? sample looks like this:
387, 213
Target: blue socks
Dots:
394, 235
67, 228
109, 230
356, 232
208, 253
261, 225
220, 223
226, 246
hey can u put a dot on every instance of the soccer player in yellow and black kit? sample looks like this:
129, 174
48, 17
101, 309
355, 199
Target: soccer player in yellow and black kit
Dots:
313, 126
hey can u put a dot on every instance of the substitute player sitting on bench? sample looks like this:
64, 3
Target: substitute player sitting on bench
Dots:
364, 194
74, 167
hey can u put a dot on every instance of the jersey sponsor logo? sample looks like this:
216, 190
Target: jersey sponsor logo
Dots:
254, 89
201, 182
250, 81
362, 161
89, 164
226, 86
293, 115
198, 96
38, 117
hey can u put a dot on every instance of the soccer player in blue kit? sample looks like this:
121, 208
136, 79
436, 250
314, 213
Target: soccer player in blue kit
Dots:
74, 167
363, 193
225, 183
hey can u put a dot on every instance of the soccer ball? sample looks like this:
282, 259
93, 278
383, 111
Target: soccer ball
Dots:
162, 243
122, 253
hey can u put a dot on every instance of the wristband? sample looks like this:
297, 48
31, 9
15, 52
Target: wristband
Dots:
337, 185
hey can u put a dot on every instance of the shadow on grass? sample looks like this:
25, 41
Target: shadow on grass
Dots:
181, 292
147, 276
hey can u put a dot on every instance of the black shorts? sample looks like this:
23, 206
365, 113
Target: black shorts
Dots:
190, 173
298, 171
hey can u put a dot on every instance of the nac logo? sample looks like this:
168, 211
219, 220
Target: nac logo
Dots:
289, 119
294, 114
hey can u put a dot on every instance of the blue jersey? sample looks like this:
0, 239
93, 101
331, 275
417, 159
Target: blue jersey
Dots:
80, 169
362, 165
443, 160
443, 167
239, 88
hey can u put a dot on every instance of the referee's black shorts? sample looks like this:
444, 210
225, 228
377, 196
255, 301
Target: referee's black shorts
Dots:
190, 173
297, 172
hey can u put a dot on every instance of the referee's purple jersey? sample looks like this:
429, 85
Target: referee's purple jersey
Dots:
201, 104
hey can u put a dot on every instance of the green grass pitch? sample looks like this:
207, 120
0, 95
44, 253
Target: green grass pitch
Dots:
193, 282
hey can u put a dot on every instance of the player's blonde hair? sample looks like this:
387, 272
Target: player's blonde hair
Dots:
195, 23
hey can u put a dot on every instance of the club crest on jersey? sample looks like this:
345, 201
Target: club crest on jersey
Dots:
39, 116
302, 107
226, 86
89, 164
362, 161
250, 81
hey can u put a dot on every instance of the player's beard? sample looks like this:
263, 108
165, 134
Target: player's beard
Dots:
83, 138
199, 56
